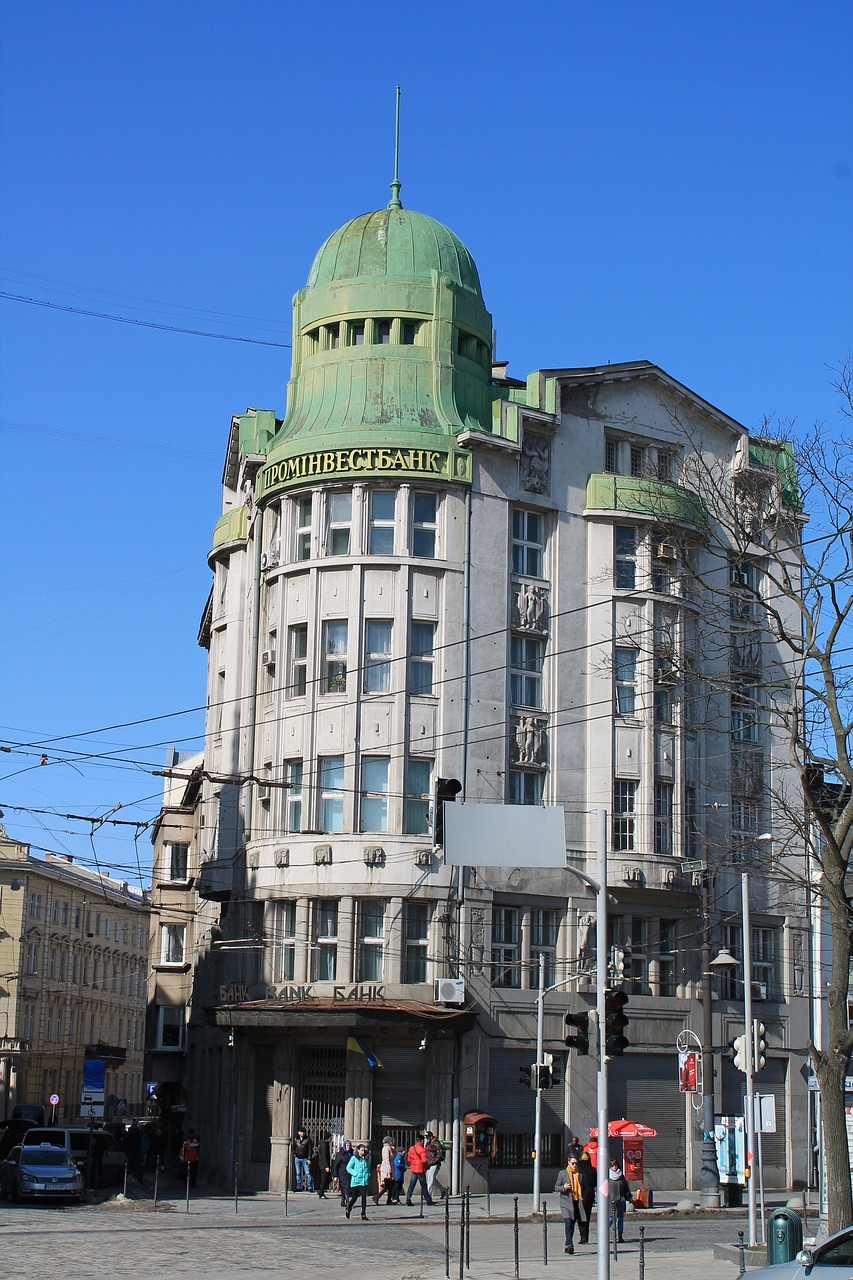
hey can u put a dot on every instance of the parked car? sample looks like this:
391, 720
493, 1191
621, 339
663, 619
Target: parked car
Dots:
818, 1260
29, 1111
46, 1171
109, 1160
12, 1134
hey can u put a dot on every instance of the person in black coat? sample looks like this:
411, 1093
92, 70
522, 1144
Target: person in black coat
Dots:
586, 1173
324, 1164
339, 1170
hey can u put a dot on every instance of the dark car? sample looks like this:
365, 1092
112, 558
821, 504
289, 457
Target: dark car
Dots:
822, 1259
44, 1172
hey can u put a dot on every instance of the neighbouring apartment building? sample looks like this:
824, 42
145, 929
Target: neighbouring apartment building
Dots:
73, 982
427, 573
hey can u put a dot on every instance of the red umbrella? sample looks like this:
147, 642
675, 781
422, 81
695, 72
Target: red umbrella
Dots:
627, 1129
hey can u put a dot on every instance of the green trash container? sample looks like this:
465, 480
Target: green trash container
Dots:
784, 1236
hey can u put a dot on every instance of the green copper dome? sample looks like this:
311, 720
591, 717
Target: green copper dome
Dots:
391, 356
396, 244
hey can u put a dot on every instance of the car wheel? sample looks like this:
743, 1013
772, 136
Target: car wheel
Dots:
16, 1195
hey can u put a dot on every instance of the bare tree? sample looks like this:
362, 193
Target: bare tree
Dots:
787, 505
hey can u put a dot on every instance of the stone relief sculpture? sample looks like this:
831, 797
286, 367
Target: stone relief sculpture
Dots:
528, 744
586, 942
535, 463
530, 608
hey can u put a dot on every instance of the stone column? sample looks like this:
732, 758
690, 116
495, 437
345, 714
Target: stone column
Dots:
283, 1115
301, 966
395, 959
359, 1101
345, 970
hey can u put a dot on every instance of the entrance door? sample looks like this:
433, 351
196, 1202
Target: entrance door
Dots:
321, 1103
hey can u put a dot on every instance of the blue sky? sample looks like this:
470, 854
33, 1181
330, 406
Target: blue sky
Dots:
669, 182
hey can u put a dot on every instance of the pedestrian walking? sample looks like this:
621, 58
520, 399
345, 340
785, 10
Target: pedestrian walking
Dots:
418, 1165
435, 1158
620, 1193
399, 1175
303, 1150
133, 1150
588, 1178
324, 1165
571, 1203
358, 1169
190, 1153
339, 1170
387, 1176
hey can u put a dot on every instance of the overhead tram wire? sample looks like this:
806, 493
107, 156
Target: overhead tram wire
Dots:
143, 324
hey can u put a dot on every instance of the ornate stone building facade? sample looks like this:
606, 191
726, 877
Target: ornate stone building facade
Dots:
428, 571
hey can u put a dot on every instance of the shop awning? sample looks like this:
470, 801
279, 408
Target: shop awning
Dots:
346, 1015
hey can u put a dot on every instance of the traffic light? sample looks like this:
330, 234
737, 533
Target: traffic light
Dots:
546, 1071
527, 1076
445, 789
741, 1050
759, 1045
615, 1022
580, 1042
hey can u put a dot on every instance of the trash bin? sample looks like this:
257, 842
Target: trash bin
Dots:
784, 1236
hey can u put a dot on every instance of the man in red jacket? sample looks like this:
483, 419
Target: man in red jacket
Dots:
418, 1164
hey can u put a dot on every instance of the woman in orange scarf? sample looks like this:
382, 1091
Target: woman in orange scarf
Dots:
571, 1204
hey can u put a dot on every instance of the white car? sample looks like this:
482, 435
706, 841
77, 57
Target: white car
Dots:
819, 1260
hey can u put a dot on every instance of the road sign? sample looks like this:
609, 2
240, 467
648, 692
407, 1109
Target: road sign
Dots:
121, 1106
94, 1111
54, 1099
764, 1107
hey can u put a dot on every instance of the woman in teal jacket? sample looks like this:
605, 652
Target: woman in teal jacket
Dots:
359, 1176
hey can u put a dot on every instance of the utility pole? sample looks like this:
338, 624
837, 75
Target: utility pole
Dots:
709, 1185
751, 1158
603, 1192
540, 1049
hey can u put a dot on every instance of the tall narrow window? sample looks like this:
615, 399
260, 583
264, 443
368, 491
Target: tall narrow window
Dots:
303, 528
663, 818
334, 657
325, 940
418, 796
371, 940
355, 333
611, 456
543, 941
374, 793
667, 948
298, 660
638, 460
424, 524
331, 793
283, 941
624, 557
665, 466
527, 543
172, 937
744, 702
177, 860
339, 520
377, 656
293, 796
624, 802
382, 331
744, 590
524, 787
506, 947
416, 926
421, 650
527, 656
625, 680
380, 539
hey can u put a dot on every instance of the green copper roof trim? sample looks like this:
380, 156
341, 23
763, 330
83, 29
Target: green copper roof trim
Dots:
633, 495
232, 527
778, 456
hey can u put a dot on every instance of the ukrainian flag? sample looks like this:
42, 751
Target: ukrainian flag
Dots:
356, 1045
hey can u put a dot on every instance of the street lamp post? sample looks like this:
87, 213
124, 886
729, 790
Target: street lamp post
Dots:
709, 1182
750, 1065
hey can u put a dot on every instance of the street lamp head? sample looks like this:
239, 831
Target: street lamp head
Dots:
724, 960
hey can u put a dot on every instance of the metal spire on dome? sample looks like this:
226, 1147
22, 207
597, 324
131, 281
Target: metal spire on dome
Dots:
395, 202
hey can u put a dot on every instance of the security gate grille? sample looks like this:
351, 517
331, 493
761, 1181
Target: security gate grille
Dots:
324, 1091
644, 1087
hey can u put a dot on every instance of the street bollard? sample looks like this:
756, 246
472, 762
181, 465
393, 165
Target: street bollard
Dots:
236, 1201
125, 1180
286, 1190
642, 1272
156, 1182
188, 1186
741, 1262
612, 1223
421, 1210
515, 1231
447, 1236
467, 1228
461, 1237
544, 1234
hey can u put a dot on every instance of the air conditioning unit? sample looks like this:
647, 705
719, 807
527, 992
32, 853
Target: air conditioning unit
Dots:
759, 990
666, 551
450, 991
268, 658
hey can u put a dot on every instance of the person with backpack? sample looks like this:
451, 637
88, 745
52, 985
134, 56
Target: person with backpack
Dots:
399, 1175
434, 1148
